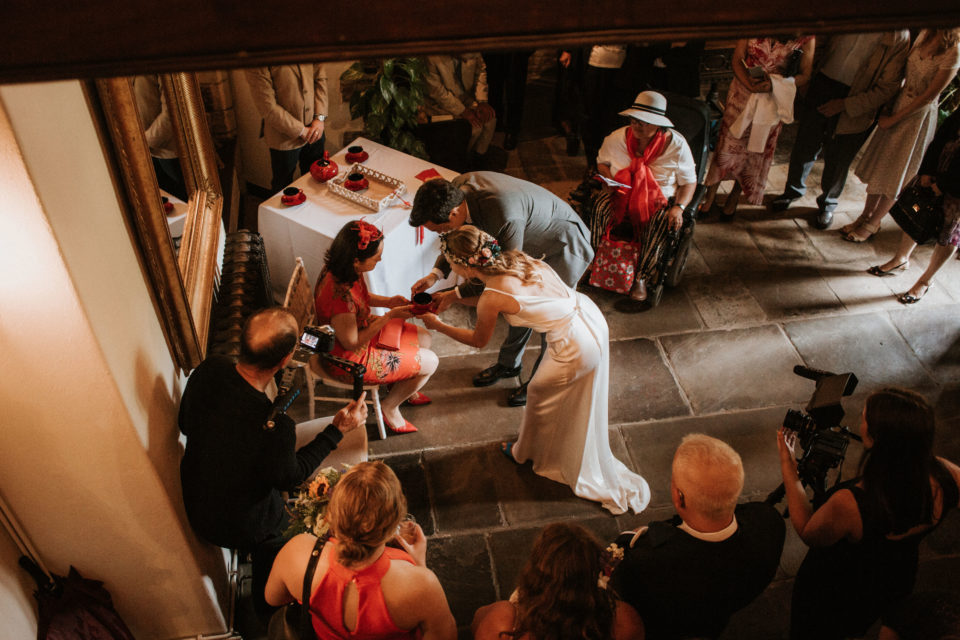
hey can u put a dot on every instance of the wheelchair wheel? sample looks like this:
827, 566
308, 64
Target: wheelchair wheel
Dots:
654, 295
675, 271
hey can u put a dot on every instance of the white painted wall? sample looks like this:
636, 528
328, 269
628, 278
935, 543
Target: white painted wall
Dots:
89, 452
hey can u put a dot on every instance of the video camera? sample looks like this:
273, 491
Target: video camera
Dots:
820, 436
315, 340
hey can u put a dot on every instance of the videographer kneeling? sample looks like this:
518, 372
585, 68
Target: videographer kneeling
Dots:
234, 466
865, 537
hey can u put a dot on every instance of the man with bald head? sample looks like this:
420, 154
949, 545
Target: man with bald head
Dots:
686, 576
234, 468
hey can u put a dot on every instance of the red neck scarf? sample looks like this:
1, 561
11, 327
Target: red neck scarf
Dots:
645, 198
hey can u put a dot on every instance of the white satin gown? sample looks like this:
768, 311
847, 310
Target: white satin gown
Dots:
565, 429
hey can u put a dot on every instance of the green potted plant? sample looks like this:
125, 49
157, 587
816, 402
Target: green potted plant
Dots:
388, 95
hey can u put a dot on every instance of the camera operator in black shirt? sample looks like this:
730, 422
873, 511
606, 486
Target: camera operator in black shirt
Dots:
234, 467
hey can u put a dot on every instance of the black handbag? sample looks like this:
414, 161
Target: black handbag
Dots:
292, 621
793, 64
919, 212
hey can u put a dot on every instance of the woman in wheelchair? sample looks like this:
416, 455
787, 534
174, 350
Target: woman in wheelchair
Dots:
395, 353
655, 172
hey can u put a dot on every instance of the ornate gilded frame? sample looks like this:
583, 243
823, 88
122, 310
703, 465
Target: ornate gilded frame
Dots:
182, 284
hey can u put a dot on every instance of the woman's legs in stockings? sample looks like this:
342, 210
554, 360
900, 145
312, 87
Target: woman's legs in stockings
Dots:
941, 253
904, 251
403, 389
875, 207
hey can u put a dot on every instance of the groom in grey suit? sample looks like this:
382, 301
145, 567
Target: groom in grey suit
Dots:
520, 215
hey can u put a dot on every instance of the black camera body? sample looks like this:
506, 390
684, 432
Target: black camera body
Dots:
820, 436
316, 339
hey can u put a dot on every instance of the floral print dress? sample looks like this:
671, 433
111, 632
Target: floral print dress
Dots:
732, 161
384, 366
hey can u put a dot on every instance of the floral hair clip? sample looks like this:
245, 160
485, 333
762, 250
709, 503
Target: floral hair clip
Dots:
489, 252
609, 559
367, 233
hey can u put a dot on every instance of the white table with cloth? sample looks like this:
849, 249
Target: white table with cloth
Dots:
307, 230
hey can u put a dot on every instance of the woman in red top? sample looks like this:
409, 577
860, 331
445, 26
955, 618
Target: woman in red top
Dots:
363, 589
342, 300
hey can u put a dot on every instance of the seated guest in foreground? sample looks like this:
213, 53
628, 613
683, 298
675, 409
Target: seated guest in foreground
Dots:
688, 575
363, 588
234, 469
343, 301
656, 163
864, 539
559, 595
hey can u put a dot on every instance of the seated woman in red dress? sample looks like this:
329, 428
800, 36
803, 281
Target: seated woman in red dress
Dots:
361, 587
342, 300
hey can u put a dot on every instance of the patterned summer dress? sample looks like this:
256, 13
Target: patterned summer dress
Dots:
732, 161
383, 365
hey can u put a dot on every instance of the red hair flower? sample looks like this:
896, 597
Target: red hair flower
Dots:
367, 233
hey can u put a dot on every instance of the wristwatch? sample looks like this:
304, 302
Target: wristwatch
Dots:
677, 204
319, 117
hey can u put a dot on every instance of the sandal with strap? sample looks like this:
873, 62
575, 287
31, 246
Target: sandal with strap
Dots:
877, 270
909, 298
849, 228
851, 237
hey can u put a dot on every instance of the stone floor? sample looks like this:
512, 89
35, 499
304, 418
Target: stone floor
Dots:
758, 296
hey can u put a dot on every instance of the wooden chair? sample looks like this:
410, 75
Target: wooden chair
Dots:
300, 302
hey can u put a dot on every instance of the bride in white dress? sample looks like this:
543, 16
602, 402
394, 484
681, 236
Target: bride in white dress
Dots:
564, 430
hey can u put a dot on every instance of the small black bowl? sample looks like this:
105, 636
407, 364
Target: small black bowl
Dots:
291, 191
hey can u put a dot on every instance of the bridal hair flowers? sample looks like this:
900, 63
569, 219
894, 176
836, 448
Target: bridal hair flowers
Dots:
367, 233
609, 559
488, 252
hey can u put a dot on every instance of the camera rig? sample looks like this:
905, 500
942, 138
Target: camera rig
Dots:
820, 436
315, 340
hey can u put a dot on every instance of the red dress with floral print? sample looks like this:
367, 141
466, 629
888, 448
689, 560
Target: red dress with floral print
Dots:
732, 161
384, 366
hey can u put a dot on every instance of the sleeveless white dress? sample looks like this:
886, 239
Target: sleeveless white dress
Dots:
564, 430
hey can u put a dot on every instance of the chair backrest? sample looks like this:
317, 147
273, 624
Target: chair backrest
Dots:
299, 298
691, 117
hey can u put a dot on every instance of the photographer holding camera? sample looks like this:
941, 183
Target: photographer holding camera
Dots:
864, 537
236, 463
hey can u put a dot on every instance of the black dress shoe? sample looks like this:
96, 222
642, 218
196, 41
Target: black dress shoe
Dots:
491, 374
510, 141
518, 397
823, 220
781, 202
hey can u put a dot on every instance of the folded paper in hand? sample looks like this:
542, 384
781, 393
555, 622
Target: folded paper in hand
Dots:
612, 182
389, 336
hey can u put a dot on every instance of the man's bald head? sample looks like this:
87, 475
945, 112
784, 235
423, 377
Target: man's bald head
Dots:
709, 474
269, 336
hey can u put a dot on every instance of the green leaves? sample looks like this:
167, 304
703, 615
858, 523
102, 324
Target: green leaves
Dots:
388, 97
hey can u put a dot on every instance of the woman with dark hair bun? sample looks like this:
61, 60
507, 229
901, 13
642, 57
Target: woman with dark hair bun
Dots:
865, 537
561, 595
343, 301
362, 588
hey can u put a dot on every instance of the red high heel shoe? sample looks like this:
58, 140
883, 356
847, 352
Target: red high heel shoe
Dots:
417, 400
407, 427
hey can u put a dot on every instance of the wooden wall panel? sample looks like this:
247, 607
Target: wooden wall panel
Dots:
65, 38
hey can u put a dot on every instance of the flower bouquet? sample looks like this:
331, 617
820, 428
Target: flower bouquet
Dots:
307, 509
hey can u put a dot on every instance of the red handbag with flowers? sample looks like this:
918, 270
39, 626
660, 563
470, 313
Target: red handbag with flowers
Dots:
615, 264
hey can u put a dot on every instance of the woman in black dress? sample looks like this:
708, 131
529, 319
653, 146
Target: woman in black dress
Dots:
865, 537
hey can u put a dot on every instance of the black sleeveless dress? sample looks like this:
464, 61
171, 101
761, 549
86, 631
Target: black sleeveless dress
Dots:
842, 589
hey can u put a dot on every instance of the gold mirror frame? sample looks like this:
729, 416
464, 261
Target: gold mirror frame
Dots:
182, 284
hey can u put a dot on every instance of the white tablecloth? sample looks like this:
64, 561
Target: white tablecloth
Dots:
308, 229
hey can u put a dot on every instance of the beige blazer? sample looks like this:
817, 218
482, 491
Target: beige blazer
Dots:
154, 117
446, 94
287, 98
878, 81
